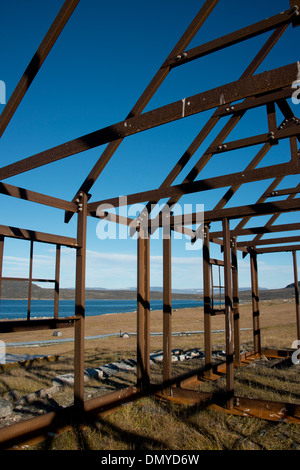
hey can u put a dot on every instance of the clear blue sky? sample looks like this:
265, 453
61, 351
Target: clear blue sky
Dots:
98, 68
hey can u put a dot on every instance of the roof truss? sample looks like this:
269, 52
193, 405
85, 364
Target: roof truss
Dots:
266, 89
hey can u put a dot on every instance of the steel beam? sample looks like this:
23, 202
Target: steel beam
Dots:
282, 192
30, 280
36, 62
272, 219
80, 306
251, 210
238, 111
167, 305
259, 230
34, 279
270, 241
296, 294
241, 177
295, 5
234, 91
213, 120
144, 99
207, 302
230, 39
255, 102
235, 302
14, 326
255, 302
33, 196
228, 316
56, 284
277, 249
257, 140
31, 430
24, 234
143, 310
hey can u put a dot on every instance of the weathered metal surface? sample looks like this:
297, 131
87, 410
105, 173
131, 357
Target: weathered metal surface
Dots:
33, 196
266, 90
12, 326
144, 99
270, 241
296, 294
207, 301
79, 329
234, 91
228, 316
24, 234
143, 310
33, 430
261, 230
242, 177
252, 210
167, 305
255, 302
277, 249
235, 301
233, 38
56, 282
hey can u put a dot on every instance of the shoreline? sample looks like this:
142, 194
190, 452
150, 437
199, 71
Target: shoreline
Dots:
102, 332
116, 324
176, 309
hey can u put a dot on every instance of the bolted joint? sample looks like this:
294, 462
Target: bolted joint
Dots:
271, 136
78, 202
236, 401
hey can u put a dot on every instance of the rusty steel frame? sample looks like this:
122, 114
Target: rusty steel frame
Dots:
268, 89
33, 237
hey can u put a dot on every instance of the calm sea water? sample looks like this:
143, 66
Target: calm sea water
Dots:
17, 309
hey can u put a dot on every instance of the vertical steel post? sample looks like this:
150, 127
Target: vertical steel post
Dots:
56, 287
255, 302
167, 306
207, 302
143, 310
235, 302
228, 316
271, 114
30, 280
212, 285
296, 294
80, 305
140, 308
147, 309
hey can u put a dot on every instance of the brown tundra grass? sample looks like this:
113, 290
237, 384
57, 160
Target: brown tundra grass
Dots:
149, 423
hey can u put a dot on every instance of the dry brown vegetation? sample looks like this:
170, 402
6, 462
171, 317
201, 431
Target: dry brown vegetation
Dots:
147, 423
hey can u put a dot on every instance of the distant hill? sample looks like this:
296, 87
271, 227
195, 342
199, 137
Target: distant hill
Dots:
292, 285
19, 290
